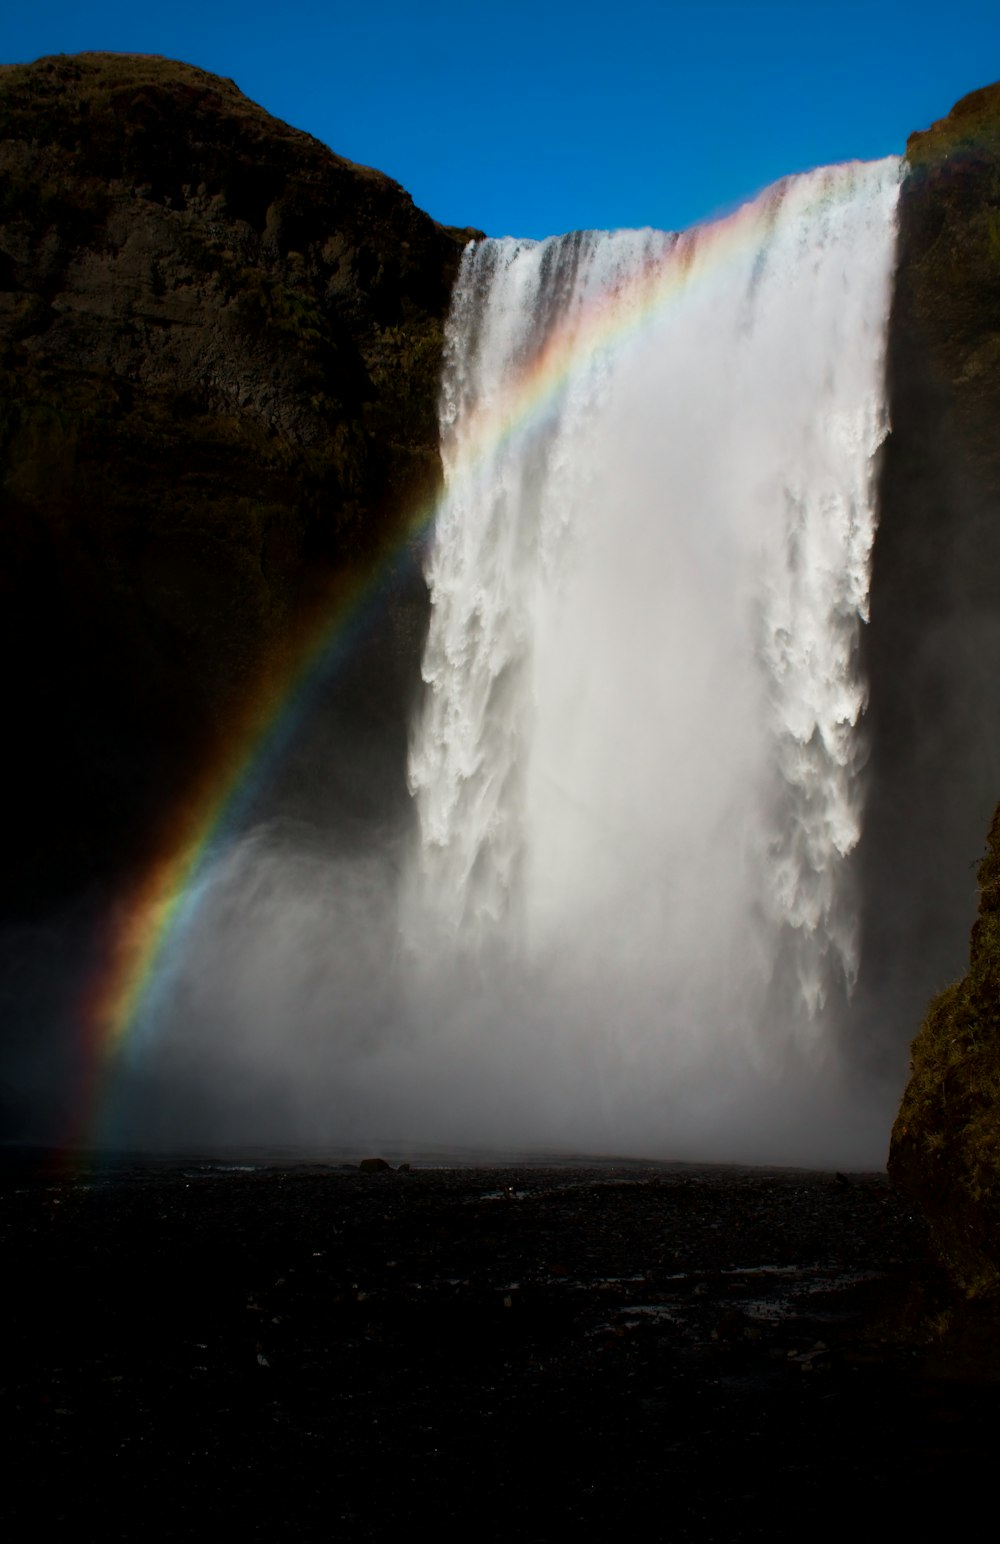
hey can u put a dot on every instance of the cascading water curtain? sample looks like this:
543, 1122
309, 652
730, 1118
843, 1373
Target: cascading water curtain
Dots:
636, 770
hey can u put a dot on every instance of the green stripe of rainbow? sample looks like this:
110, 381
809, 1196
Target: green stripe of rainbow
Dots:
165, 898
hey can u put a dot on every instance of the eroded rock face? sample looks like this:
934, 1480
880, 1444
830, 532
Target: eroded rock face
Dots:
936, 756
932, 651
219, 353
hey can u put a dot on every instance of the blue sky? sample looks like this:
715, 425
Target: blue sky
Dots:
535, 116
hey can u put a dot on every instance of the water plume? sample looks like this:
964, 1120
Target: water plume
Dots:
637, 773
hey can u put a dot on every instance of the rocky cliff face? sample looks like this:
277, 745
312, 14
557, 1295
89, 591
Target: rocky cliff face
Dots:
933, 647
935, 671
219, 351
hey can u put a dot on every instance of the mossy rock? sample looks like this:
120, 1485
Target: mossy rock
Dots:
945, 1151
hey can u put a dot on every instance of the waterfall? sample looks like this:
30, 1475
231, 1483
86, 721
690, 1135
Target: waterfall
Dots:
625, 922
637, 770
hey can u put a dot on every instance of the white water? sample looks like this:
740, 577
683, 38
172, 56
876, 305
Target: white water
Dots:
627, 923
637, 771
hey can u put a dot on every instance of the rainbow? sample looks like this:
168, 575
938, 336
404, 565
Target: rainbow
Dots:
161, 906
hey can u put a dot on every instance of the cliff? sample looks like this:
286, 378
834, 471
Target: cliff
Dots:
937, 735
933, 647
945, 1150
219, 353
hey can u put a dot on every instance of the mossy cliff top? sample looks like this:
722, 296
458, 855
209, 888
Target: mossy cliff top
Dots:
971, 131
219, 356
950, 261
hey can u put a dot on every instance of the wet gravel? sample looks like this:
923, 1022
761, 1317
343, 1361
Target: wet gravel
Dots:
523, 1353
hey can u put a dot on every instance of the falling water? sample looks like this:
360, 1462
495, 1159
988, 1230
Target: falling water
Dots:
637, 771
626, 922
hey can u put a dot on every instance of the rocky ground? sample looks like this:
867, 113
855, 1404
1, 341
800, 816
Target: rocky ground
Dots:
528, 1353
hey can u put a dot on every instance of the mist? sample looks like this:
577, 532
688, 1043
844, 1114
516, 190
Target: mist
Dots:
295, 1013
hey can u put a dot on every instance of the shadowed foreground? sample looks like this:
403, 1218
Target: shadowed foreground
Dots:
525, 1353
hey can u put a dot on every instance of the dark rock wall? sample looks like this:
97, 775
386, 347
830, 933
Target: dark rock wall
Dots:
935, 640
933, 646
219, 354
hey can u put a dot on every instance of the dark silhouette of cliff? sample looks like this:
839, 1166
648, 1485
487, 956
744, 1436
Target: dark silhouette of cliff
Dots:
933, 646
219, 356
934, 665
